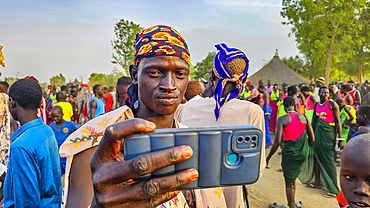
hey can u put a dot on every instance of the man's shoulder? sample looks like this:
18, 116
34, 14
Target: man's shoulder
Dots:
244, 104
33, 137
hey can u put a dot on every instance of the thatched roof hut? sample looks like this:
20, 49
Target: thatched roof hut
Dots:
278, 73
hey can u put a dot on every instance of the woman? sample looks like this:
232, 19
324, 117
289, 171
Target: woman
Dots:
267, 110
326, 124
297, 134
275, 97
309, 102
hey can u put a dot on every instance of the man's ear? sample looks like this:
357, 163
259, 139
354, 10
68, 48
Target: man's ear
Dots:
12, 103
133, 73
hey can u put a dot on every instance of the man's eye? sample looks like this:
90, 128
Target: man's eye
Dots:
154, 73
181, 74
350, 177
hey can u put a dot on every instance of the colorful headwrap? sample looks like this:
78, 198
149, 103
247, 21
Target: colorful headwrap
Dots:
84, 85
228, 62
321, 80
32, 78
160, 40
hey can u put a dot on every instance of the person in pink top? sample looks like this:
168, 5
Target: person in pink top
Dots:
326, 124
309, 102
294, 134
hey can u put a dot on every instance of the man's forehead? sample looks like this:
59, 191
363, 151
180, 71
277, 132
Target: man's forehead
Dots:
163, 61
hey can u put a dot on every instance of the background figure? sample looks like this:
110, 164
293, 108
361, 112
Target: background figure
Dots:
108, 97
347, 118
294, 134
194, 88
83, 104
4, 129
267, 112
62, 129
275, 97
97, 106
66, 106
122, 85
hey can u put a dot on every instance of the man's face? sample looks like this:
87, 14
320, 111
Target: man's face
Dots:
57, 116
342, 90
276, 87
305, 93
360, 118
121, 93
351, 85
261, 83
319, 84
285, 88
3, 89
355, 178
324, 94
74, 91
99, 91
269, 83
162, 82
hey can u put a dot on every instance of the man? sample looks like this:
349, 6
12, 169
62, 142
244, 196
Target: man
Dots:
66, 106
320, 82
309, 102
362, 120
269, 87
355, 94
96, 104
33, 176
347, 98
4, 87
160, 78
108, 97
122, 85
114, 97
223, 90
72, 99
62, 129
194, 88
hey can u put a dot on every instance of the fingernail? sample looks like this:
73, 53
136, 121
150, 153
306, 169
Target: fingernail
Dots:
192, 174
186, 151
150, 125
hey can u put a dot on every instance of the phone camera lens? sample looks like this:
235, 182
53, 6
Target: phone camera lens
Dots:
246, 139
239, 139
254, 138
253, 145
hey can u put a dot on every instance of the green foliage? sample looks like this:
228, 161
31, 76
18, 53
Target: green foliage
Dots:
10, 80
204, 67
58, 80
104, 80
123, 46
295, 63
324, 32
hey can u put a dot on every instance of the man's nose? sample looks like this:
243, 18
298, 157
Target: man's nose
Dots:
168, 83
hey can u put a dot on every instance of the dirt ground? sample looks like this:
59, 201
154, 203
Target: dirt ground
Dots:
270, 188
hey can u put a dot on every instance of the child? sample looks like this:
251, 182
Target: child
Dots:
362, 120
66, 106
62, 129
347, 117
355, 172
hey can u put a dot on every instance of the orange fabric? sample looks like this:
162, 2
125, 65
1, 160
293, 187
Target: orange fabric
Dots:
345, 99
341, 200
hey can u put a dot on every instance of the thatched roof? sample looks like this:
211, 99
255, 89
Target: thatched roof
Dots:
278, 73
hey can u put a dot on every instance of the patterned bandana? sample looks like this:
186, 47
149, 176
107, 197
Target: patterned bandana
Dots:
222, 69
32, 78
160, 40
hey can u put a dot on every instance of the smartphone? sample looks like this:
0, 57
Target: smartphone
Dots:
223, 155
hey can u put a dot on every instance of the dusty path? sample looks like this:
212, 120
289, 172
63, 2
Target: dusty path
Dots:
271, 188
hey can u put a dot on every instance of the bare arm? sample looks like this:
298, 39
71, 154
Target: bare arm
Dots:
266, 96
93, 106
349, 100
313, 99
310, 133
337, 122
358, 98
348, 121
277, 141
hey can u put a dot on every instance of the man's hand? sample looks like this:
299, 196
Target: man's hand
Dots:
112, 175
268, 118
341, 144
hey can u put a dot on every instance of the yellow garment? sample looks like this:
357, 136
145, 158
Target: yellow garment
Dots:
353, 112
245, 94
67, 110
275, 96
1, 57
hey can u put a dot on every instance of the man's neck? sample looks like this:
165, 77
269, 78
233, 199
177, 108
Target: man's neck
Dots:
26, 116
60, 123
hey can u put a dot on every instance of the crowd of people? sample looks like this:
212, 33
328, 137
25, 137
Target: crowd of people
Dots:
62, 147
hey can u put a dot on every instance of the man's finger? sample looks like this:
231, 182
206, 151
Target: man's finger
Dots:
111, 142
148, 203
141, 165
150, 188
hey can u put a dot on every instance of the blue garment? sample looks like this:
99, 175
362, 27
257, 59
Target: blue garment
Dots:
61, 133
33, 176
268, 135
100, 108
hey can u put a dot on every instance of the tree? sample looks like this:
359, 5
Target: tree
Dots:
322, 29
58, 80
295, 63
204, 67
123, 46
104, 80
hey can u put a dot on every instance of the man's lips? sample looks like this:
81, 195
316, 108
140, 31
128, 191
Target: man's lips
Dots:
360, 204
167, 99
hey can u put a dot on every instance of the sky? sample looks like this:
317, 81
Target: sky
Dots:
47, 37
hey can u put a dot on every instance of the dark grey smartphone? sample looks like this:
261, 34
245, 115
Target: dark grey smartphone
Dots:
223, 155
